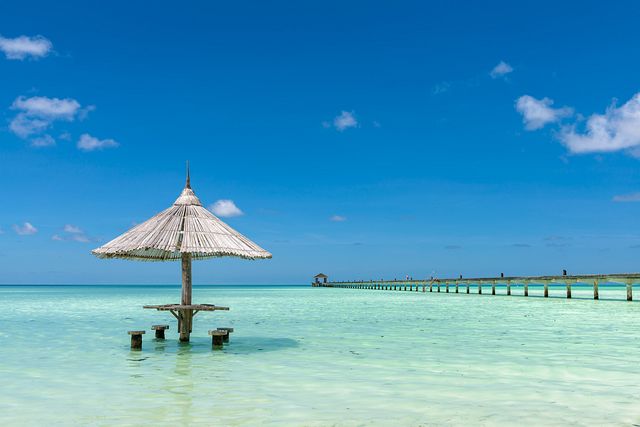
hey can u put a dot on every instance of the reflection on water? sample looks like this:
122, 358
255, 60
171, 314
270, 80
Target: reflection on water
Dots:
247, 345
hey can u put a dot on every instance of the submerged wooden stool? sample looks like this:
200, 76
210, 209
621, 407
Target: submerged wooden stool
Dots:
226, 337
160, 330
136, 339
217, 338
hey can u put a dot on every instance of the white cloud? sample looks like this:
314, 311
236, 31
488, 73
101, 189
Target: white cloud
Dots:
91, 143
36, 114
617, 129
26, 229
52, 108
633, 197
68, 228
536, 113
225, 208
345, 121
338, 218
57, 238
25, 126
500, 70
25, 47
45, 140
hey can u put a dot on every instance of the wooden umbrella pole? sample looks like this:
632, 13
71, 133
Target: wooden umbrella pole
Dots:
186, 314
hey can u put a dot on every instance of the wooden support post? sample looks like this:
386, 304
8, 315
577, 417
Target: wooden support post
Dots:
430, 286
546, 289
456, 286
446, 286
508, 287
438, 286
596, 295
225, 338
467, 287
136, 339
526, 288
186, 316
480, 288
493, 287
159, 330
568, 289
424, 287
629, 291
217, 338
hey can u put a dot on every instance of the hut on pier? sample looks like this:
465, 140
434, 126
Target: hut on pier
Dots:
320, 278
186, 231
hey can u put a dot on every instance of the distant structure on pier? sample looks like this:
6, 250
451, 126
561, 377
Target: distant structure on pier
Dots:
320, 278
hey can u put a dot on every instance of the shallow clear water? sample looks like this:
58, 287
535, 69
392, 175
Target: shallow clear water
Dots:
318, 356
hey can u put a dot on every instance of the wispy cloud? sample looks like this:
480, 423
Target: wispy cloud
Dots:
453, 247
536, 113
23, 47
440, 88
557, 241
45, 140
632, 197
68, 228
225, 208
338, 218
617, 129
91, 143
26, 229
501, 70
344, 121
72, 233
521, 245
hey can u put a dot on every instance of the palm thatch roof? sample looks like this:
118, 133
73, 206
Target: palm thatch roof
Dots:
185, 227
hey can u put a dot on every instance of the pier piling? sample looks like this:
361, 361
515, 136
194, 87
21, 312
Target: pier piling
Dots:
159, 330
136, 339
217, 338
225, 338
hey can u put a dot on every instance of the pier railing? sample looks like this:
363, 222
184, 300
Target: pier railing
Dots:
455, 285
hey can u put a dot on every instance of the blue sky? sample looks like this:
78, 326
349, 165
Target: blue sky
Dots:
360, 139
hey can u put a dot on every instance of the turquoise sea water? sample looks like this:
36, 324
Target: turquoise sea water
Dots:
306, 356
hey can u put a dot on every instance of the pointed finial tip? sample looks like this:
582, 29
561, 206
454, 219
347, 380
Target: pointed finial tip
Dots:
188, 185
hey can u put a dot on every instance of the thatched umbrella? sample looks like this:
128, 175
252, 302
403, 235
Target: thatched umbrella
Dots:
184, 231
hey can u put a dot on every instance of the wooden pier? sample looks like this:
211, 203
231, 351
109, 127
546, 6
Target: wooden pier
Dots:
463, 285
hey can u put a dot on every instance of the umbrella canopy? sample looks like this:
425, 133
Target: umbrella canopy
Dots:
184, 228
